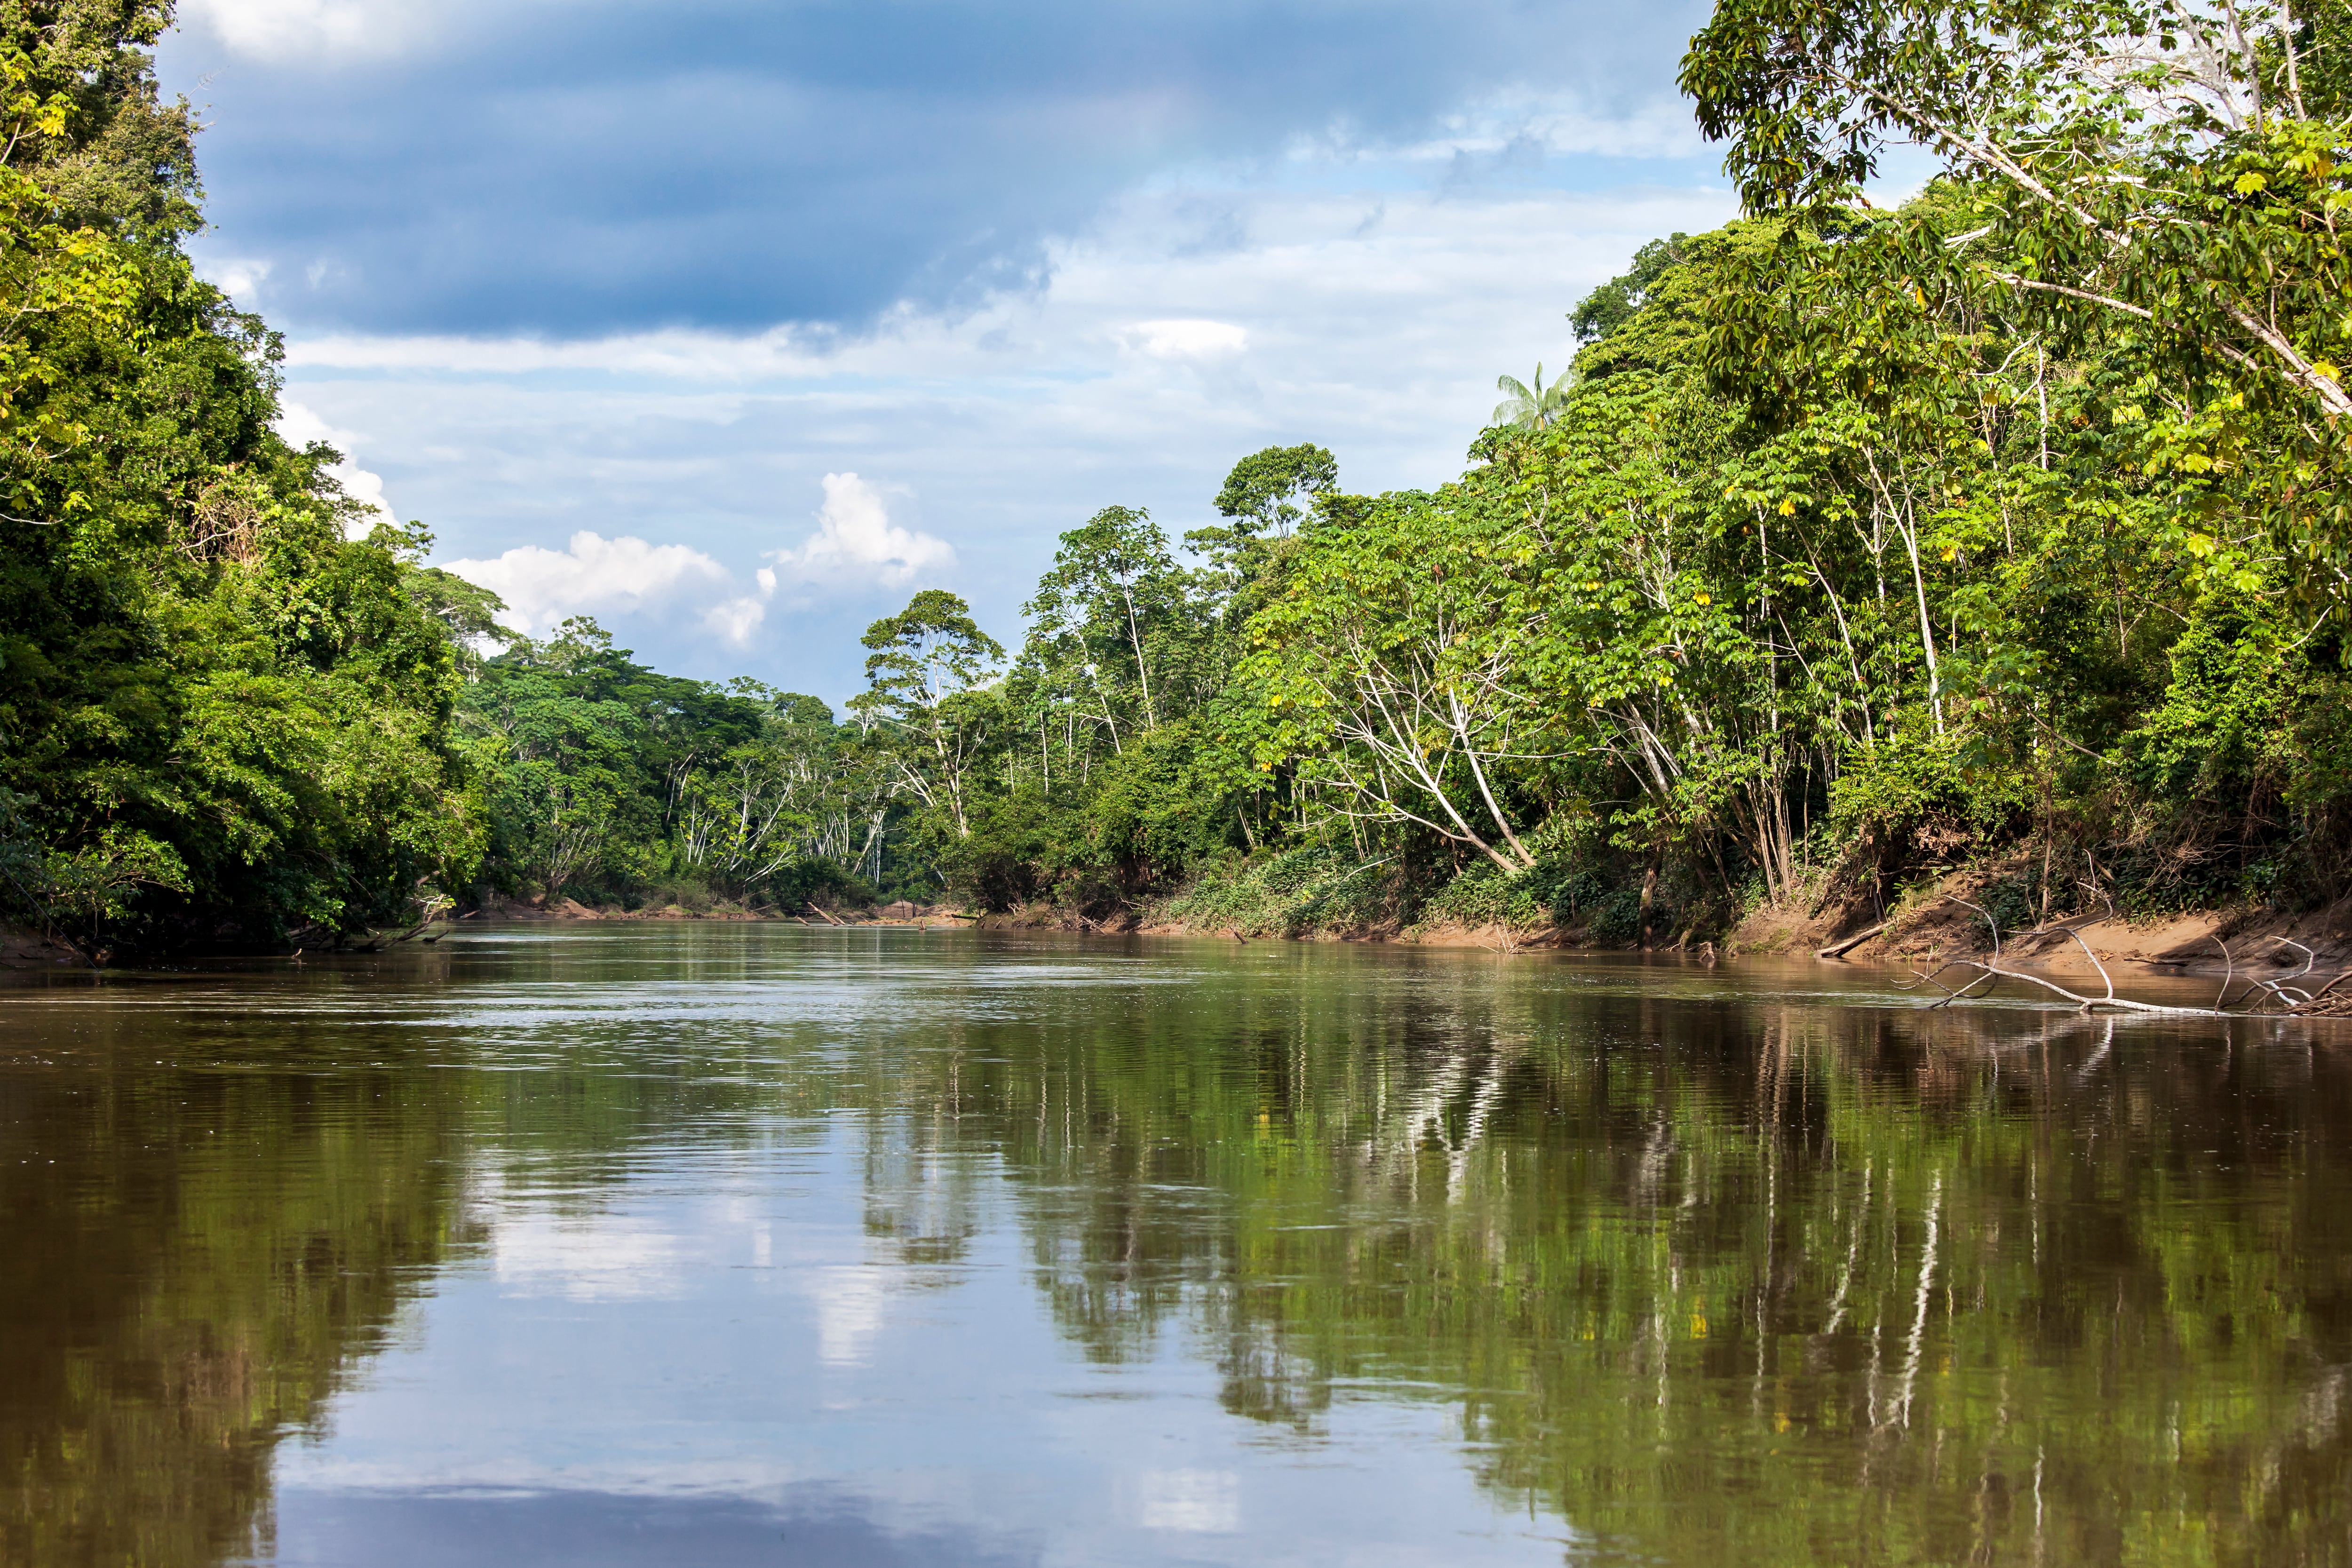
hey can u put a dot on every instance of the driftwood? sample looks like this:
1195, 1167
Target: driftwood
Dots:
815, 908
1845, 944
2275, 998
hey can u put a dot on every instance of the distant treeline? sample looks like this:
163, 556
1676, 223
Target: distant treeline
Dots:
2006, 527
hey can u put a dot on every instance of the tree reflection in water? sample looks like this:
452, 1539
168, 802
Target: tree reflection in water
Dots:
1722, 1281
196, 1254
1712, 1277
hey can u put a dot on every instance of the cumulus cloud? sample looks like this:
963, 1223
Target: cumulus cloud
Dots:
596, 575
1380, 340
734, 621
857, 543
301, 426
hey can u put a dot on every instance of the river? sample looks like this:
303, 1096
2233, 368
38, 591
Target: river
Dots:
757, 1244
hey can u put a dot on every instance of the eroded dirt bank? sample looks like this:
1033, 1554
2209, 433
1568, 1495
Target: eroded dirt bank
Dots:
21, 948
1933, 928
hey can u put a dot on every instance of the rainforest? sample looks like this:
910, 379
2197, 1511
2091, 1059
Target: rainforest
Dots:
1991, 526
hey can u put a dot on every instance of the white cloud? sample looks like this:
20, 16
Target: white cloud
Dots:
1373, 320
294, 29
1187, 340
301, 426
679, 354
851, 1303
595, 575
856, 543
239, 277
735, 620
592, 1258
1557, 125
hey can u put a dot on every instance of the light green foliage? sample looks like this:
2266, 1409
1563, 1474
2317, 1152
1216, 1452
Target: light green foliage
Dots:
928, 703
1389, 663
2157, 182
1528, 407
1112, 619
1311, 889
1262, 493
1610, 307
1266, 498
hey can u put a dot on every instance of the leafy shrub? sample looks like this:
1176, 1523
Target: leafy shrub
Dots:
1318, 888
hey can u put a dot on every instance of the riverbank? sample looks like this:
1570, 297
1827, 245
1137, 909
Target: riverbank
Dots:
23, 949
1934, 927
898, 913
1931, 926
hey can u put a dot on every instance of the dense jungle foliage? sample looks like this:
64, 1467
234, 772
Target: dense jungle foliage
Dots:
2005, 525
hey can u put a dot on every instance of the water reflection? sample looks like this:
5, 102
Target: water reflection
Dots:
199, 1248
600, 1530
849, 1247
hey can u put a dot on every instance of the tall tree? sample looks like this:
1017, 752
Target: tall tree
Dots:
1113, 617
924, 694
1264, 499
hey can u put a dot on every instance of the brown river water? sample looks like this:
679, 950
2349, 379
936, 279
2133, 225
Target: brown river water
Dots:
756, 1244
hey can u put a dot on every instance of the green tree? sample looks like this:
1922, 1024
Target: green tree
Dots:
1394, 665
1264, 500
1113, 617
1600, 314
1525, 406
232, 721
926, 700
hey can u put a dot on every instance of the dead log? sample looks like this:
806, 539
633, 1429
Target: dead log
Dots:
2275, 994
1844, 945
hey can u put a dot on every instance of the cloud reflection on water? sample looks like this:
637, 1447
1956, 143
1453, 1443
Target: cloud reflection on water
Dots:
608, 1529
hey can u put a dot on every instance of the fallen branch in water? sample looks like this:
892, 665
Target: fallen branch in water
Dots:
434, 907
2271, 997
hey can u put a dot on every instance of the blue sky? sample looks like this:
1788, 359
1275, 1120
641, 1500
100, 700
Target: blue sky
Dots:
733, 325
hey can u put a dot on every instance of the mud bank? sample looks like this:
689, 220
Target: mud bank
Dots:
1933, 928
23, 949
897, 914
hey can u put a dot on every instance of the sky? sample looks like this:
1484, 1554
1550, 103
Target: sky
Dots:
734, 324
